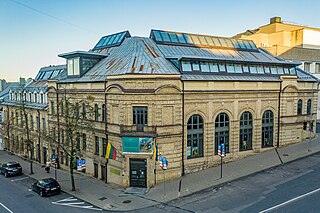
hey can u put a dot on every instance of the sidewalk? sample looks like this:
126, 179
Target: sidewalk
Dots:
111, 197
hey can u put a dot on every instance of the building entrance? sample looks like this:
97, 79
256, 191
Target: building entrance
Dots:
138, 173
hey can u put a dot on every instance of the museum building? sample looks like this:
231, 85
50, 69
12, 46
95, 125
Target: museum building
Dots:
180, 95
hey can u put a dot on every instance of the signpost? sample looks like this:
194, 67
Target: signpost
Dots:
222, 154
163, 163
54, 160
81, 165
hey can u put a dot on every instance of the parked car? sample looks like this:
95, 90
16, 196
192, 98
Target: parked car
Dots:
10, 169
48, 186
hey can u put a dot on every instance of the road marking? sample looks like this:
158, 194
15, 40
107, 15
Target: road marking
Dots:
6, 208
290, 201
19, 179
69, 202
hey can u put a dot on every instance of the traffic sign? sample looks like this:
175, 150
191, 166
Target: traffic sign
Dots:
53, 158
165, 163
223, 150
161, 162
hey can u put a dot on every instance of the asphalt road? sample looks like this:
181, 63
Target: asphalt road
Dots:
16, 196
293, 187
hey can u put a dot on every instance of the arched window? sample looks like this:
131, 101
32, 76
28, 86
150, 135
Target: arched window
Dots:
195, 137
221, 132
309, 111
84, 111
245, 131
103, 112
96, 112
267, 129
299, 111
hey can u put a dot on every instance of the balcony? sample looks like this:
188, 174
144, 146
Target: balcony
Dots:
138, 130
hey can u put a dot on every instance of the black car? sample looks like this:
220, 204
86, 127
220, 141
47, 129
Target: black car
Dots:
11, 168
48, 186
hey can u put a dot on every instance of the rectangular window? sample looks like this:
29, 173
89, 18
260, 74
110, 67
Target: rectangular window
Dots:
84, 142
73, 66
222, 67
286, 70
204, 67
267, 69
253, 69
52, 108
140, 115
44, 125
245, 68
274, 70
186, 66
95, 170
238, 68
96, 145
195, 66
41, 96
214, 67
292, 71
260, 69
280, 70
104, 147
230, 68
96, 112
104, 112
31, 122
307, 66
317, 68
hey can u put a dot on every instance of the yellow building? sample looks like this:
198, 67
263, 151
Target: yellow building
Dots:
291, 42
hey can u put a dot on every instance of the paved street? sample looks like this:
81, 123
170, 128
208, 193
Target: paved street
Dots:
204, 191
294, 187
16, 196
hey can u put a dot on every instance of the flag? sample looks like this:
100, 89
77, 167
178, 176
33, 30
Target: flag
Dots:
111, 152
155, 153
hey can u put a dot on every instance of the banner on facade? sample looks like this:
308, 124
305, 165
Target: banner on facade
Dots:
137, 145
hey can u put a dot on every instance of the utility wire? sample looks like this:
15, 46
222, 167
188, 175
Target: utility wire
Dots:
53, 17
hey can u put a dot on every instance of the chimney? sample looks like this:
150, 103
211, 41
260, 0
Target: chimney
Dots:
275, 20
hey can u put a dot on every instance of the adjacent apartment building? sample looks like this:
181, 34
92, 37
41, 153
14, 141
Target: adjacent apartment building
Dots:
292, 42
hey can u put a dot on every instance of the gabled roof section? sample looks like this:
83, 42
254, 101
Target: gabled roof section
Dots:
201, 41
304, 76
50, 72
112, 40
136, 55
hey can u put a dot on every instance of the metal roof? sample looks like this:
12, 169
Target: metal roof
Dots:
259, 56
27, 104
304, 76
136, 55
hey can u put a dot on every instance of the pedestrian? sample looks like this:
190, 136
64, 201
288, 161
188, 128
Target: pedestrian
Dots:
47, 168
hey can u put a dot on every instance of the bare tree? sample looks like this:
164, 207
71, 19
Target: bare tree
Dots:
73, 122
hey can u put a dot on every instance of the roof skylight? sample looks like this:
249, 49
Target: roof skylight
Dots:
185, 39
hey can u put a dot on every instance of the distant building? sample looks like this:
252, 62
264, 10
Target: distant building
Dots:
33, 95
290, 41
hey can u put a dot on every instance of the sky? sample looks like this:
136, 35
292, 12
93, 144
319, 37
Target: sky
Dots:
34, 32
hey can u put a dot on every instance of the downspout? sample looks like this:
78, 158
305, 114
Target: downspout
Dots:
183, 130
8, 129
105, 124
58, 121
38, 128
279, 114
